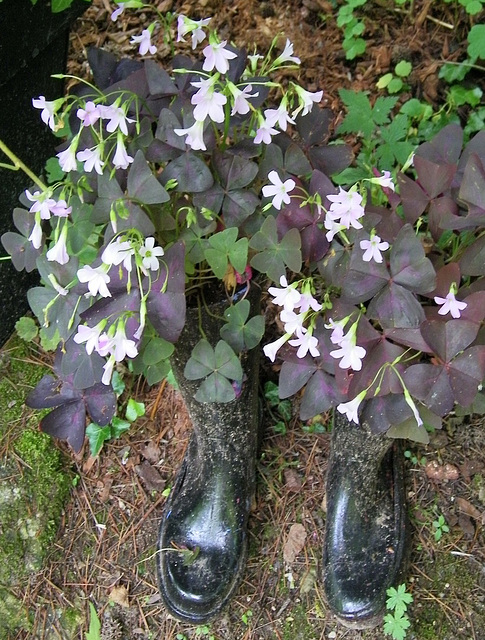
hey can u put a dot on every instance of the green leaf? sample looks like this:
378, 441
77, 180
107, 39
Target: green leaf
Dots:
395, 85
134, 410
382, 109
94, 632
354, 47
26, 328
119, 426
97, 436
384, 81
396, 625
476, 41
398, 598
359, 113
238, 332
454, 72
117, 383
403, 68
275, 256
215, 388
224, 248
156, 350
53, 170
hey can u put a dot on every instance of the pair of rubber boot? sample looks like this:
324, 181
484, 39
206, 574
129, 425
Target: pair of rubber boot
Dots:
203, 534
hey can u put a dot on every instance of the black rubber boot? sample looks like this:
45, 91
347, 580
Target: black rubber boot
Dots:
203, 534
366, 527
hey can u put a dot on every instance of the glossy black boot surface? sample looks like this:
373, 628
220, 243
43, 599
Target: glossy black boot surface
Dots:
203, 534
366, 528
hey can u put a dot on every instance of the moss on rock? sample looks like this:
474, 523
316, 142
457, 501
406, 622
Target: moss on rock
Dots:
34, 485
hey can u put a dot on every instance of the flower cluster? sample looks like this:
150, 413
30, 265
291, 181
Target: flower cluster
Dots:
171, 183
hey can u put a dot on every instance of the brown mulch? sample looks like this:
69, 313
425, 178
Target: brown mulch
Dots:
105, 550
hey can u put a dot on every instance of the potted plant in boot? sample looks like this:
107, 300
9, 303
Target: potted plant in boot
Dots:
178, 185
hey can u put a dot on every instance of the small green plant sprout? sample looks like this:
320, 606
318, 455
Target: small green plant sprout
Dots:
280, 409
94, 632
396, 622
394, 82
440, 527
98, 435
413, 458
353, 29
203, 631
246, 617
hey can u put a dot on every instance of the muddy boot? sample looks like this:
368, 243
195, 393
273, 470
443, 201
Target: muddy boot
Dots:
203, 535
366, 527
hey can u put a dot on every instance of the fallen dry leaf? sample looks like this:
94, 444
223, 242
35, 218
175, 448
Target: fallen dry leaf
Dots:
150, 477
292, 480
466, 525
294, 542
150, 451
468, 509
119, 595
470, 468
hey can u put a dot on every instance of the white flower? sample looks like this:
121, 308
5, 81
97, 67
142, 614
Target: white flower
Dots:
384, 181
121, 159
279, 116
67, 158
121, 346
36, 235
89, 335
145, 43
414, 408
186, 25
90, 114
150, 254
108, 370
216, 56
117, 12
350, 353
305, 343
97, 280
306, 100
346, 207
43, 203
48, 111
307, 301
287, 297
241, 104
264, 133
293, 322
333, 228
350, 409
337, 334
278, 189
208, 102
372, 249
62, 291
117, 252
271, 349
286, 55
450, 305
92, 159
117, 118
195, 138
58, 253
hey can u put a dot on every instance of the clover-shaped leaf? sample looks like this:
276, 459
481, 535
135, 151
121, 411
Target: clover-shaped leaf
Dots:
239, 332
142, 184
275, 256
218, 366
20, 249
224, 248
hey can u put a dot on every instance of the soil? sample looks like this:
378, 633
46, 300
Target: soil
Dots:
105, 548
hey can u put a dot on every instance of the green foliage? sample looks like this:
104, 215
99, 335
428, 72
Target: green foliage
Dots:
225, 248
362, 118
26, 328
476, 42
246, 616
395, 83
98, 435
396, 622
94, 632
440, 527
353, 28
59, 5
239, 332
281, 410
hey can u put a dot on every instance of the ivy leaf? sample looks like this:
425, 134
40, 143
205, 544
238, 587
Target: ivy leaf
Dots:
276, 256
134, 410
97, 436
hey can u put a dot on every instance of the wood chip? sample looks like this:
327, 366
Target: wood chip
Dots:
119, 595
294, 542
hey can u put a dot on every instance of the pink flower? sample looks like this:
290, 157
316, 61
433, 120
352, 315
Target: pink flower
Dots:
208, 102
121, 159
306, 100
241, 104
92, 159
216, 56
384, 181
450, 305
36, 235
43, 203
60, 209
264, 133
278, 189
279, 116
90, 114
67, 158
372, 249
186, 25
307, 301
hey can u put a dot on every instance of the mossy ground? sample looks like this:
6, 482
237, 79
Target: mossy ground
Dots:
34, 484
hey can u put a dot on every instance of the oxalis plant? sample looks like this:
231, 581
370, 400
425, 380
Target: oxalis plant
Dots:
198, 177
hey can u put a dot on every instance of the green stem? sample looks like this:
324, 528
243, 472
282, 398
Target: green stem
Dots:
18, 164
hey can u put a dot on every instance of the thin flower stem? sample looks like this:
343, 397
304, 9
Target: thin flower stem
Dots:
18, 164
